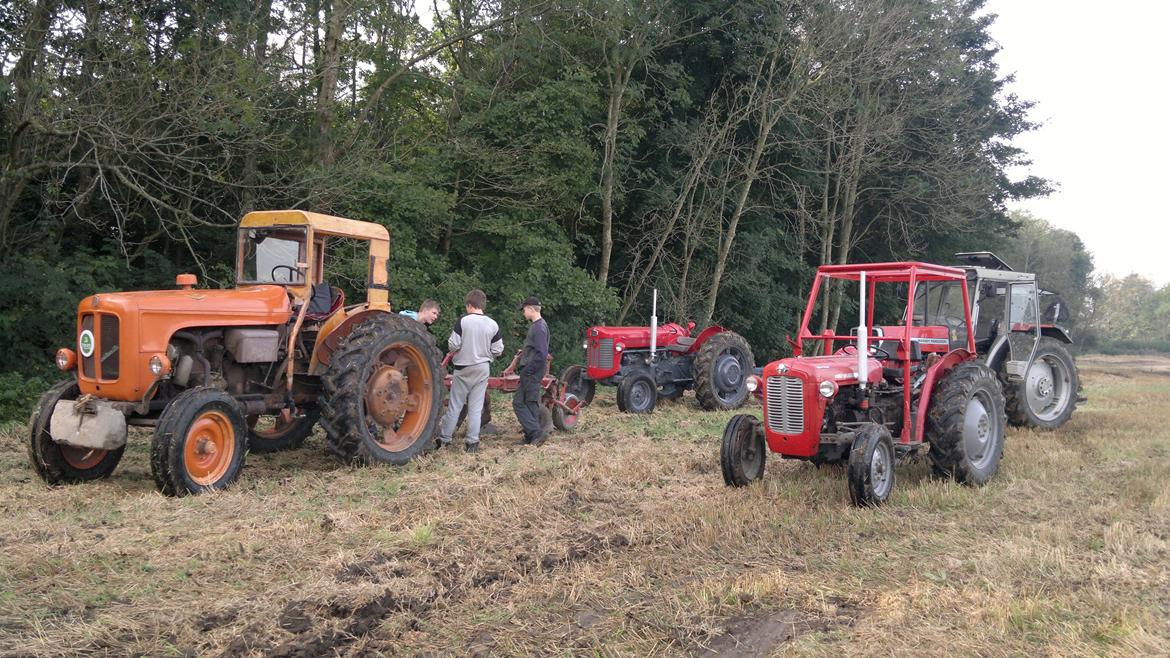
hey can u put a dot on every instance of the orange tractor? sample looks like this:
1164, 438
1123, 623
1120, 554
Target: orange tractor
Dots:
220, 373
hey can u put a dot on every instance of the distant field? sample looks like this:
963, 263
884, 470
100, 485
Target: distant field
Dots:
620, 539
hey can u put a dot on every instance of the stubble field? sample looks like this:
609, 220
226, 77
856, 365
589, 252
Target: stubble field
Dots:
618, 539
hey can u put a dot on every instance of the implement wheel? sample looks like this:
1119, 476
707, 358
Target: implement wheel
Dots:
576, 391
199, 443
383, 393
743, 452
282, 431
56, 463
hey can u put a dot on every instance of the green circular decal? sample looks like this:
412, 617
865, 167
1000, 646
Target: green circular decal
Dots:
85, 343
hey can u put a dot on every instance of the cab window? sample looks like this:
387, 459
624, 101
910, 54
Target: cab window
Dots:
271, 254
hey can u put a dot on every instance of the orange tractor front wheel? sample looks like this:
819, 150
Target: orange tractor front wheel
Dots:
199, 443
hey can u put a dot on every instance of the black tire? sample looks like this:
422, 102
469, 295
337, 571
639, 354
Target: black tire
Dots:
61, 464
199, 443
966, 423
721, 369
871, 466
1054, 382
399, 430
637, 394
289, 436
743, 452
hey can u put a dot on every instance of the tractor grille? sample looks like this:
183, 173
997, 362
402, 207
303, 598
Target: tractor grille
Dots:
108, 338
786, 405
601, 354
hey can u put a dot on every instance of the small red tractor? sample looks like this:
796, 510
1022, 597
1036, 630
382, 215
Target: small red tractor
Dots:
562, 400
219, 373
646, 363
971, 352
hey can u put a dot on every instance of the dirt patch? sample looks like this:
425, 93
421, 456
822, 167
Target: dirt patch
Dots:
759, 634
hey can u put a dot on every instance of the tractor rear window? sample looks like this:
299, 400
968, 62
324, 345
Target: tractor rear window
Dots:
271, 255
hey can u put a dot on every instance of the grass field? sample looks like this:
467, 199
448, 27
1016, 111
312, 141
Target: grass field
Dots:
619, 539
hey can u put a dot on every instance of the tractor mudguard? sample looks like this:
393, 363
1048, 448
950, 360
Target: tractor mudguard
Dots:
332, 333
936, 371
702, 337
1057, 332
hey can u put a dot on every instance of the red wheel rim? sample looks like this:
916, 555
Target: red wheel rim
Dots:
82, 458
209, 448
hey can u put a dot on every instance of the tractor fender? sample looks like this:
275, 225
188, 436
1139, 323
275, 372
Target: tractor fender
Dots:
997, 354
952, 359
703, 336
337, 327
1056, 332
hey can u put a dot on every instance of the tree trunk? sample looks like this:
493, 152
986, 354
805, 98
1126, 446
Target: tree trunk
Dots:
327, 94
263, 19
619, 78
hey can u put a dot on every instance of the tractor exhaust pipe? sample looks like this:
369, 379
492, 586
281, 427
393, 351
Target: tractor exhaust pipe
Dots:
654, 326
862, 340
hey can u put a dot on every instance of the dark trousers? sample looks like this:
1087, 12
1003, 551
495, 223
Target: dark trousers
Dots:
526, 404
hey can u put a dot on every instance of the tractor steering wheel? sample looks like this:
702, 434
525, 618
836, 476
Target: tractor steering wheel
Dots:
292, 272
874, 352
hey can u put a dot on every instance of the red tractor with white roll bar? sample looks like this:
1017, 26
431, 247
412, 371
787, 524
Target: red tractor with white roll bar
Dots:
647, 363
918, 379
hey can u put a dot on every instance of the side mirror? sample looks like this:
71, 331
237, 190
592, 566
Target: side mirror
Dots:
186, 281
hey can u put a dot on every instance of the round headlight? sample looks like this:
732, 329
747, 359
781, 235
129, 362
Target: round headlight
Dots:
753, 383
828, 389
584, 344
159, 365
66, 359
619, 347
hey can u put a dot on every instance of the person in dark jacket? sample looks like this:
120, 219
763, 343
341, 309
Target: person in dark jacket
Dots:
533, 361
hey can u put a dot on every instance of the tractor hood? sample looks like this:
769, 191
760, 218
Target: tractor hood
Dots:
162, 312
838, 368
636, 338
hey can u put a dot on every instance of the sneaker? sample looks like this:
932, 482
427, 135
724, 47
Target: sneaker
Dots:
471, 447
539, 439
523, 441
488, 430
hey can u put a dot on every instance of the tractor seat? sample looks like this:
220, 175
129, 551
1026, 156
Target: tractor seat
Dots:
324, 302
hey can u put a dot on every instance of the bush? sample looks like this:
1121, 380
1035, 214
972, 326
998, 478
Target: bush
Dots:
18, 394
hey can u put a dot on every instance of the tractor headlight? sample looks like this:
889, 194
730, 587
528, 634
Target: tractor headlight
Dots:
584, 344
753, 383
160, 365
66, 359
619, 347
828, 389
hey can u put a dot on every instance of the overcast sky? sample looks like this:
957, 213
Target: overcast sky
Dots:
1100, 77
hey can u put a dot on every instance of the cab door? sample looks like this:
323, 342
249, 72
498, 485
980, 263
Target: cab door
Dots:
1023, 322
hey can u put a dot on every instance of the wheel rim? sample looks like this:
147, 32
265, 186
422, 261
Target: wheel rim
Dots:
209, 448
398, 397
729, 376
1047, 388
750, 452
282, 424
641, 393
881, 470
81, 458
570, 410
980, 431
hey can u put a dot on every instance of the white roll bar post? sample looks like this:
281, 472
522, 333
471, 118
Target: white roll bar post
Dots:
862, 341
654, 326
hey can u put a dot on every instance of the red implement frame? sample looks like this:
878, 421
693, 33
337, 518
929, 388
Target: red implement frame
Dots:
508, 382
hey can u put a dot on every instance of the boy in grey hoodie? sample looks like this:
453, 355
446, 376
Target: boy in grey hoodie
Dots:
476, 341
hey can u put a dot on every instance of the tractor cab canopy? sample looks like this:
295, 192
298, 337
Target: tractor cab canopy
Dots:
288, 248
926, 309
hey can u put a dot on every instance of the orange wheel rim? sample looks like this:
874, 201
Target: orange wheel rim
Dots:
82, 458
398, 397
209, 448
